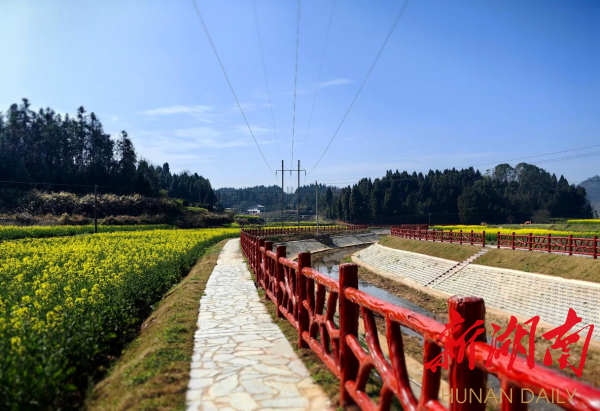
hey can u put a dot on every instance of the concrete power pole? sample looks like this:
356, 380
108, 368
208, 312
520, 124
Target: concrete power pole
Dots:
283, 194
298, 196
317, 204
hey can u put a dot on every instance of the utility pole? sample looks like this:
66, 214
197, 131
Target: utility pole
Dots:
95, 209
317, 204
282, 190
266, 208
282, 193
298, 197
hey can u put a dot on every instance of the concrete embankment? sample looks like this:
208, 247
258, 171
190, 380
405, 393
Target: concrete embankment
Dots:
512, 292
315, 246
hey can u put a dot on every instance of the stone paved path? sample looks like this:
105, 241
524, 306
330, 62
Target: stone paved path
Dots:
242, 361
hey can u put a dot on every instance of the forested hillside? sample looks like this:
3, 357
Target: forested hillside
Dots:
592, 188
525, 192
508, 195
70, 153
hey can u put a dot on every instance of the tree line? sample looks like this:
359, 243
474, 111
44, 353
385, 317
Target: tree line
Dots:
69, 153
504, 195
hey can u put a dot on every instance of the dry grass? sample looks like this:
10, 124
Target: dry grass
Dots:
571, 267
455, 252
153, 372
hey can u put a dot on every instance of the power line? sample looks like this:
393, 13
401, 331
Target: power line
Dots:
550, 160
312, 109
262, 56
73, 185
538, 155
582, 155
229, 82
364, 81
295, 80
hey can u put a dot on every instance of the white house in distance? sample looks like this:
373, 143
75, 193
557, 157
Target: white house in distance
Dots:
257, 209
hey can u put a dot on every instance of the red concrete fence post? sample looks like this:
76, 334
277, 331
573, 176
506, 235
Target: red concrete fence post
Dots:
460, 377
549, 241
570, 244
595, 250
460, 237
260, 273
512, 241
348, 326
483, 239
303, 320
471, 238
530, 241
450, 236
498, 240
279, 253
268, 271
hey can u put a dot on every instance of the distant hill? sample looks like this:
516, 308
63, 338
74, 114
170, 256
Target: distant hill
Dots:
592, 189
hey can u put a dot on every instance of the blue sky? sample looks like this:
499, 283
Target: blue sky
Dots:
459, 83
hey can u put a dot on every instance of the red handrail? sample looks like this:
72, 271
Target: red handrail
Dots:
309, 300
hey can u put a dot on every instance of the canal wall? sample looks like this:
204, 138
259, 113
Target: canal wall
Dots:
315, 246
505, 291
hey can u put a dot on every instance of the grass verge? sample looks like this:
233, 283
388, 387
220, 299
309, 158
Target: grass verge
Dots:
573, 268
153, 372
455, 252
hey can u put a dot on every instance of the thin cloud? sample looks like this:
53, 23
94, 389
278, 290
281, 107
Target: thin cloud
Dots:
255, 129
178, 109
197, 132
335, 82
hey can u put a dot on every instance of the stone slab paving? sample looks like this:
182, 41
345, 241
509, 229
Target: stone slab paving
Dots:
241, 360
516, 292
356, 239
529, 294
292, 248
418, 267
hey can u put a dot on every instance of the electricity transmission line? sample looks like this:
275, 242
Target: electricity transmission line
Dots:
543, 161
262, 56
534, 156
400, 14
295, 80
199, 14
312, 109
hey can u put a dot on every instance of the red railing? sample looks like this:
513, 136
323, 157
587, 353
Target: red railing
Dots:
412, 226
460, 237
309, 300
568, 245
272, 231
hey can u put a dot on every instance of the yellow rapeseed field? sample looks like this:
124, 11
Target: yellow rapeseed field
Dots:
9, 232
492, 232
66, 302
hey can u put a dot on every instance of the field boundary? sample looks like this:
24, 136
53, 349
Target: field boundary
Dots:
155, 367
